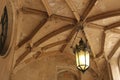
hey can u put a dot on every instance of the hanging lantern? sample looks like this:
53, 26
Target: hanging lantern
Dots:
82, 56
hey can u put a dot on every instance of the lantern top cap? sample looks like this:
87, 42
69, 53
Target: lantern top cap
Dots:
81, 41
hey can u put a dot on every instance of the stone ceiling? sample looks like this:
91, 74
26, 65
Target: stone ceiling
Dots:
45, 26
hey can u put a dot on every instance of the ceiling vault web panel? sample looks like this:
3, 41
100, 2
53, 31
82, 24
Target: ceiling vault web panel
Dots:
33, 33
74, 9
102, 46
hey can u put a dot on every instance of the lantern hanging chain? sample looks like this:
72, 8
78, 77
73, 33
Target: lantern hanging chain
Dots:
78, 29
74, 38
86, 40
84, 36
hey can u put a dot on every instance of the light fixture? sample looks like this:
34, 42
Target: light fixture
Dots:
82, 52
82, 56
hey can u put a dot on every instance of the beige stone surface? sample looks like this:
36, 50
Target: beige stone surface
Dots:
51, 64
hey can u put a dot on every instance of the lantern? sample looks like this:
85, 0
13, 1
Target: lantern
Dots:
82, 56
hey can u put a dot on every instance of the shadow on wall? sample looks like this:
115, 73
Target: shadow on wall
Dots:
53, 66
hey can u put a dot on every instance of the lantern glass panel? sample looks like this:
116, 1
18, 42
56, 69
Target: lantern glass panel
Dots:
82, 59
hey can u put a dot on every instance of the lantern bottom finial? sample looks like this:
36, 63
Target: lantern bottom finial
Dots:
81, 69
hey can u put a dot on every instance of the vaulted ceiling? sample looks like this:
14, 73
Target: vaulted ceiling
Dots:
45, 26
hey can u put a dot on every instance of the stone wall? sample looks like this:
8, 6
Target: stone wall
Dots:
5, 67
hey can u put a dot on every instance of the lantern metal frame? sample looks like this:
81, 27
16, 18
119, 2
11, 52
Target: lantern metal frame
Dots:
81, 47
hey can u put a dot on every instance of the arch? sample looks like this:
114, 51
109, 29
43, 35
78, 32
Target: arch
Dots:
11, 29
66, 75
73, 72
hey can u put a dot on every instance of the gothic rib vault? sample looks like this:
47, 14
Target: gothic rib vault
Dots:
46, 27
